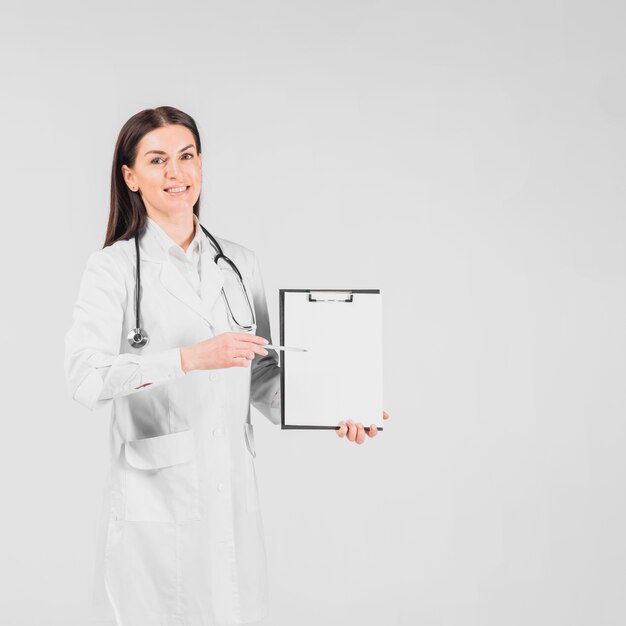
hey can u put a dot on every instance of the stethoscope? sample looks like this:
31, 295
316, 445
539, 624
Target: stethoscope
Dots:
138, 337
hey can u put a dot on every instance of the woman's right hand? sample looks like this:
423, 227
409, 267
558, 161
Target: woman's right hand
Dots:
224, 350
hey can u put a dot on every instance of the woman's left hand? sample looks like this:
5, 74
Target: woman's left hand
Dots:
356, 432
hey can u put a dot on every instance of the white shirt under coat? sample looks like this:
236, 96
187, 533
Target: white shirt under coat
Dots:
187, 261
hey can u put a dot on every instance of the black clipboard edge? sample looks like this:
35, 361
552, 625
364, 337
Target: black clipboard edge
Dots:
311, 427
281, 301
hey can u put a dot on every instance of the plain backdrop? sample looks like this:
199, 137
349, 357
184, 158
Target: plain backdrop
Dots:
465, 158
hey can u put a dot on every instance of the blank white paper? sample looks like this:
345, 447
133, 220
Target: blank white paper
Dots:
340, 377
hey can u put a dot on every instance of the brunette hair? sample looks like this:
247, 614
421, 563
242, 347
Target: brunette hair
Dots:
127, 215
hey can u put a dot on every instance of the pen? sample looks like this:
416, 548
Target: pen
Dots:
271, 347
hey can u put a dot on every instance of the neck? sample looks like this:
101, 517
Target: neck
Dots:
181, 228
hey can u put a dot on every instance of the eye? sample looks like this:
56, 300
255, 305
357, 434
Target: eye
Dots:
156, 159
189, 155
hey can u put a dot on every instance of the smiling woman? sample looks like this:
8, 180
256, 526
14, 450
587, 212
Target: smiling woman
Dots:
148, 172
181, 536
156, 162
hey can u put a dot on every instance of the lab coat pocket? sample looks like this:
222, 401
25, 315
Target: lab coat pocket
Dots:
161, 478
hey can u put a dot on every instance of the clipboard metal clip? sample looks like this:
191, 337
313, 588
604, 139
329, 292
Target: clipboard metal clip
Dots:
331, 295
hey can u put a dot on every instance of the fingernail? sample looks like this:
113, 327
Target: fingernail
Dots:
265, 341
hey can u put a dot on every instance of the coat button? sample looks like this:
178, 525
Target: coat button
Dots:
212, 376
221, 487
218, 432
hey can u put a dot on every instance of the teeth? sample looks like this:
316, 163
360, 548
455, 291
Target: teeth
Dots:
175, 189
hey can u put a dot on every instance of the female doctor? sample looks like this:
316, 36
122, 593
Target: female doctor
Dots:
169, 330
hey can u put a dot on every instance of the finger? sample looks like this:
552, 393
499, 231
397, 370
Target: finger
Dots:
373, 431
247, 337
241, 361
243, 354
343, 429
246, 347
360, 435
351, 431
248, 353
385, 415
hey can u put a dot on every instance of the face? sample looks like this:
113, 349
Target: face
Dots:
167, 172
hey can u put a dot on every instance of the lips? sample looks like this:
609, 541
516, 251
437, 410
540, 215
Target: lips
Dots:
176, 190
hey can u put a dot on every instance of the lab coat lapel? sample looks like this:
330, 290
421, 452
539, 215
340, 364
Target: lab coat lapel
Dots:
211, 278
211, 282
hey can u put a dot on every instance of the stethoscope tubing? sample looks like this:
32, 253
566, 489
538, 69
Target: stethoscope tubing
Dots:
137, 338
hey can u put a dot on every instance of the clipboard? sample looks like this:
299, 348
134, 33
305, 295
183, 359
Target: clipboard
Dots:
340, 376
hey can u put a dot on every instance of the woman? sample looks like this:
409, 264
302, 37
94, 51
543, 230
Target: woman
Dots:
181, 533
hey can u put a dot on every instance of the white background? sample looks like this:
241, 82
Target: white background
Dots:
467, 159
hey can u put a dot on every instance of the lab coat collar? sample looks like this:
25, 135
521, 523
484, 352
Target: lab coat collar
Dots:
155, 245
168, 245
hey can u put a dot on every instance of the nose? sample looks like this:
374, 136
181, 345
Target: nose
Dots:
173, 169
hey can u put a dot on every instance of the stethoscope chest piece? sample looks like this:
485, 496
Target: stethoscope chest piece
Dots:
138, 338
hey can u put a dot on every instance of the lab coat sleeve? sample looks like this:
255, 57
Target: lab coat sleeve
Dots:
265, 374
95, 370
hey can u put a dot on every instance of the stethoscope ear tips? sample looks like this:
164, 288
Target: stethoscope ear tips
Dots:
138, 338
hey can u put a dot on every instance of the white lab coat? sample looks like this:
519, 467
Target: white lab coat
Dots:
181, 541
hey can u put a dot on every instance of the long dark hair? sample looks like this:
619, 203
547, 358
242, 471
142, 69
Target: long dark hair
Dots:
127, 215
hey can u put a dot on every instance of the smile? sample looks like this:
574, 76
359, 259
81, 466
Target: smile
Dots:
176, 191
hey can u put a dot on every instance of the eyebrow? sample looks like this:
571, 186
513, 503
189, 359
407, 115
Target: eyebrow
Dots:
161, 151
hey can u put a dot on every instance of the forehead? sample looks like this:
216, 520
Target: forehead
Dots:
167, 138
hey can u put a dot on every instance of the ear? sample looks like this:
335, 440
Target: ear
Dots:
129, 178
